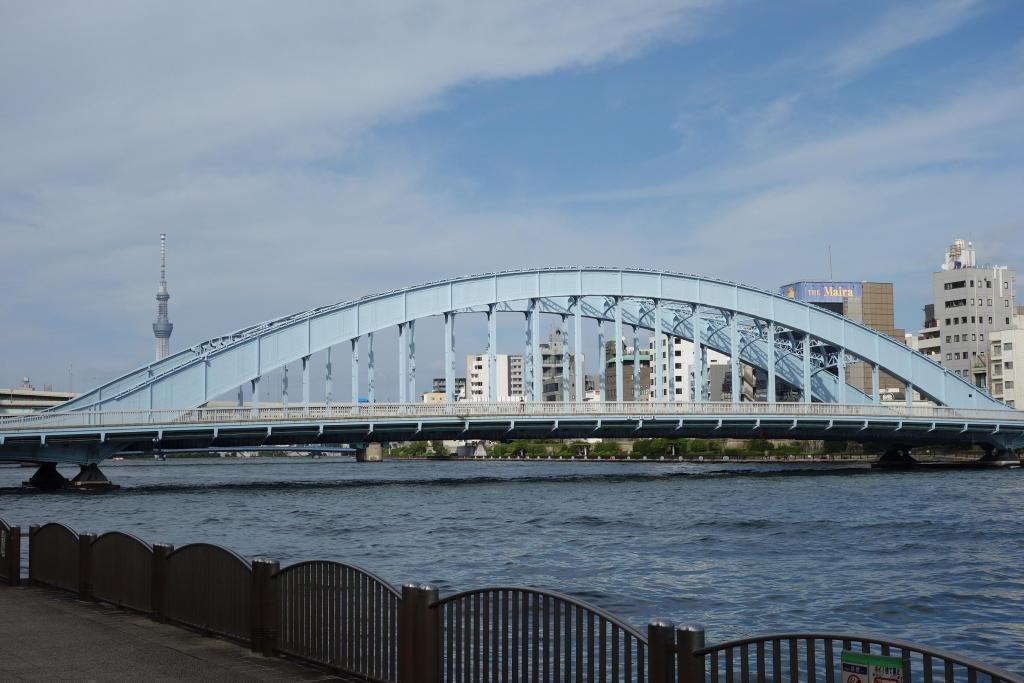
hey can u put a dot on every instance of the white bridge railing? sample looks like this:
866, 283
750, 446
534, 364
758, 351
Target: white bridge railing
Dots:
341, 412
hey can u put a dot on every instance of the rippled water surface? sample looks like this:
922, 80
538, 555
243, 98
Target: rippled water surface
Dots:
932, 556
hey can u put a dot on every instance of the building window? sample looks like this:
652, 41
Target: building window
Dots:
990, 302
956, 356
990, 320
956, 285
947, 322
1008, 365
956, 303
972, 283
949, 356
956, 337
947, 339
1008, 346
972, 318
1008, 384
974, 337
981, 337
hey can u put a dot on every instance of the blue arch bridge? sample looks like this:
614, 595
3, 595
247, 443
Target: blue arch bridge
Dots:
804, 348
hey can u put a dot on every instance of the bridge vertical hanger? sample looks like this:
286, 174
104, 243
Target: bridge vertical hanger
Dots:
805, 394
328, 379
734, 357
411, 339
698, 354
618, 350
371, 388
492, 353
602, 360
876, 391
670, 350
566, 377
240, 397
449, 357
636, 365
909, 394
305, 385
284, 386
527, 356
403, 360
841, 374
354, 360
255, 395
771, 361
659, 375
577, 346
538, 368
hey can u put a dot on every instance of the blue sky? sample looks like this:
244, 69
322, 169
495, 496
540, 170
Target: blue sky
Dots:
307, 154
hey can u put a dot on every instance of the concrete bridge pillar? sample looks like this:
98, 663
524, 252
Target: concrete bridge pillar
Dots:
373, 452
47, 478
1000, 457
896, 457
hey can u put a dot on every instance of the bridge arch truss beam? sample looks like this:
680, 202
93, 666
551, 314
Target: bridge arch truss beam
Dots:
194, 376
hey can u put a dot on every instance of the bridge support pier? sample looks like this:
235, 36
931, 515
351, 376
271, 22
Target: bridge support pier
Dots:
47, 478
896, 457
90, 478
1000, 457
373, 452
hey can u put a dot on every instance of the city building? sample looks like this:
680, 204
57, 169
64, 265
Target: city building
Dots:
552, 354
678, 372
162, 327
869, 303
632, 359
508, 378
970, 302
438, 387
27, 399
1006, 362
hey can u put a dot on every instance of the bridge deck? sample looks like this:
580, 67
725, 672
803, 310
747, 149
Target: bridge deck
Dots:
49, 636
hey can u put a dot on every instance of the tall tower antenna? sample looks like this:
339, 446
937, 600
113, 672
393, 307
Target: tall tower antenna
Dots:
162, 327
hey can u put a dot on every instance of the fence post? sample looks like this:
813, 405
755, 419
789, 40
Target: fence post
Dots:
661, 651
32, 531
158, 588
13, 556
418, 635
689, 639
264, 628
85, 566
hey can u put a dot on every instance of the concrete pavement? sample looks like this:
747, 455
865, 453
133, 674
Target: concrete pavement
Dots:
47, 635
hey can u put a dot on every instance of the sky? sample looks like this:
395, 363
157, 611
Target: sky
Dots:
299, 154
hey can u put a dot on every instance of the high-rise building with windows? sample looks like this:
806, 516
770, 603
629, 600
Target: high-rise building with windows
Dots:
970, 303
869, 303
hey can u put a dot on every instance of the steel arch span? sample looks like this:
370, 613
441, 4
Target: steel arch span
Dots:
796, 343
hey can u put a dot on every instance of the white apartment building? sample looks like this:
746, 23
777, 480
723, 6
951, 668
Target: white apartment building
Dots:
1006, 381
970, 303
508, 371
677, 368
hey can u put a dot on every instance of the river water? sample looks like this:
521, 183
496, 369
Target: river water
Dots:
932, 556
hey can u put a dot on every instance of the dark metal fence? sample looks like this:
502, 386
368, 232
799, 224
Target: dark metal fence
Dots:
53, 556
351, 621
814, 658
339, 616
122, 571
10, 554
503, 634
209, 588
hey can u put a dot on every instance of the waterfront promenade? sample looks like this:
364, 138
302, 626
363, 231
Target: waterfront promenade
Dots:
46, 635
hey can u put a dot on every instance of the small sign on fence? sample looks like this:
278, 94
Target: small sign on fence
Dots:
858, 667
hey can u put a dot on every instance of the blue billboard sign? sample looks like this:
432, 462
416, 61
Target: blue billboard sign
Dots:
822, 291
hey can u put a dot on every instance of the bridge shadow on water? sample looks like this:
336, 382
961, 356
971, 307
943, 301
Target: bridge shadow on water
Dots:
735, 472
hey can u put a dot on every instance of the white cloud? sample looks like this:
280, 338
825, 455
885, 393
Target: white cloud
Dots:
901, 27
246, 131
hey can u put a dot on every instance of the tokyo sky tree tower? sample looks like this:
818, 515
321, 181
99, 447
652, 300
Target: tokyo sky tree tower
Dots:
162, 327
